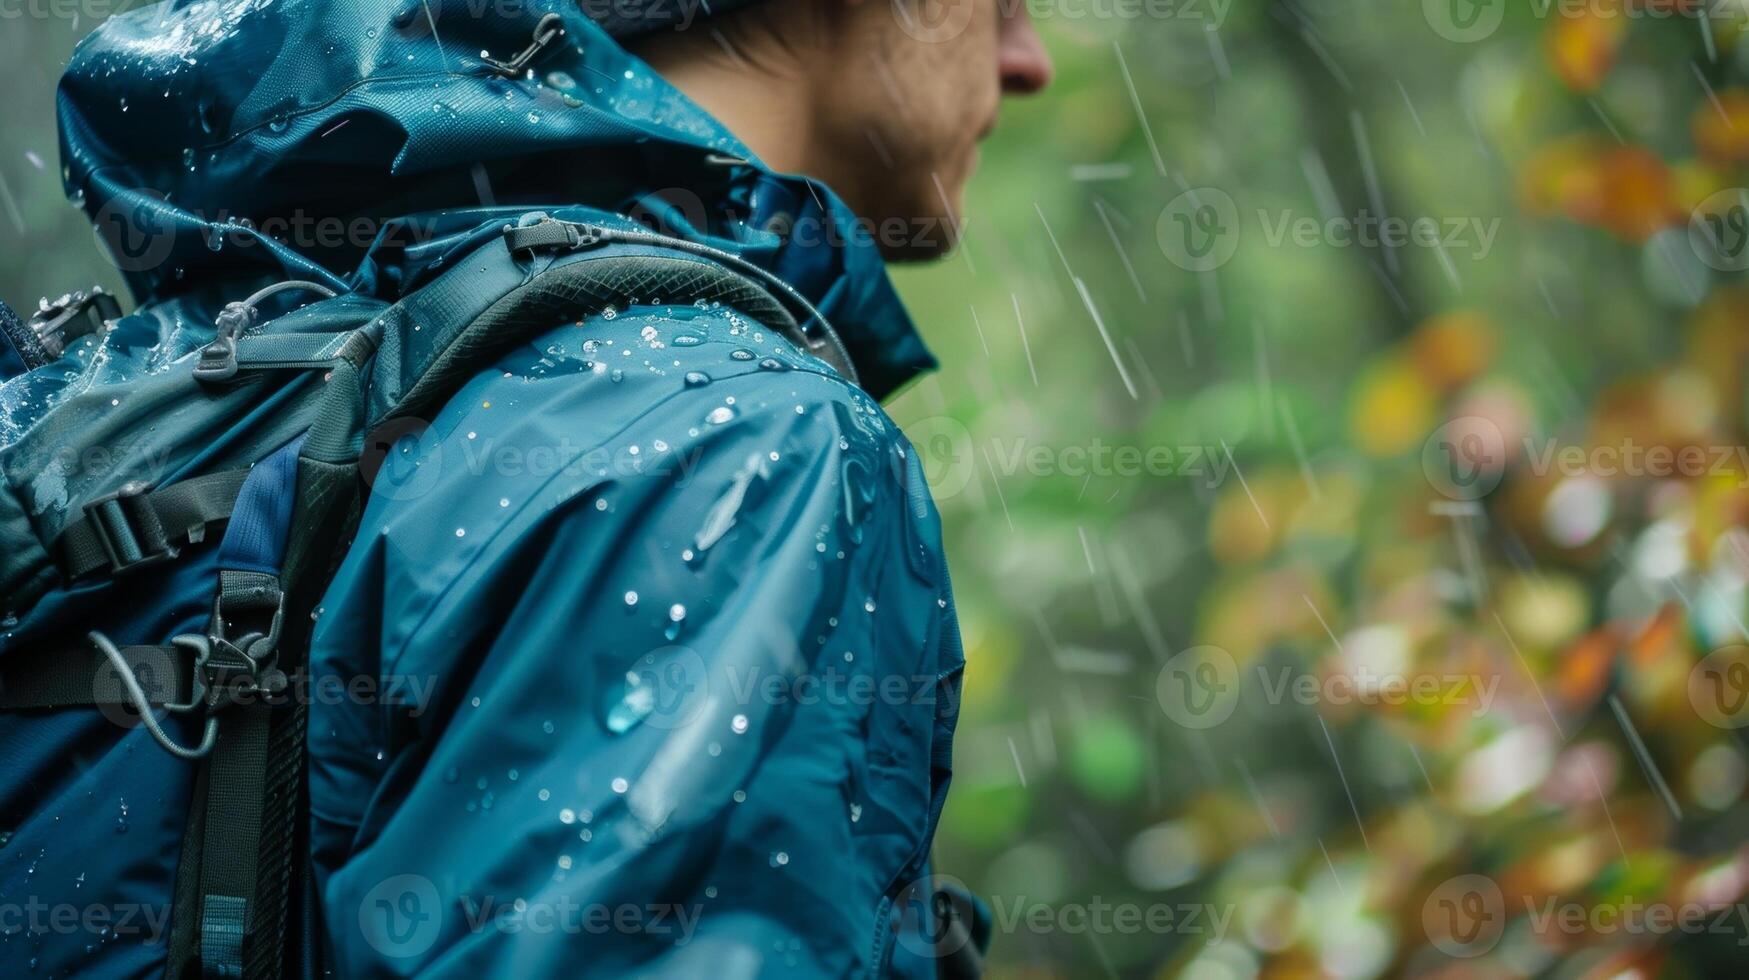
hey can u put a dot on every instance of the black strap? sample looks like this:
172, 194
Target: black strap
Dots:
139, 526
82, 675
231, 837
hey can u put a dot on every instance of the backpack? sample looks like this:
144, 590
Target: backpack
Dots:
168, 525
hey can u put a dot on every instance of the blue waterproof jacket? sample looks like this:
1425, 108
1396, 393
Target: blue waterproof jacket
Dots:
665, 593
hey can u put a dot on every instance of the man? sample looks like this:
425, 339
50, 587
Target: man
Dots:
694, 697
646, 647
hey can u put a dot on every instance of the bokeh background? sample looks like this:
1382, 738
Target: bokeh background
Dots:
1219, 467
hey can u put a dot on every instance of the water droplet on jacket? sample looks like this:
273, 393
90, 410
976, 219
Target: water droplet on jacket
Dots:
741, 354
616, 375
869, 606
534, 117
720, 415
567, 816
773, 364
637, 699
738, 724
279, 123
188, 158
779, 859
608, 313
695, 379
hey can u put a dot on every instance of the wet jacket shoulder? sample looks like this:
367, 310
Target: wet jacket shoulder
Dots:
660, 612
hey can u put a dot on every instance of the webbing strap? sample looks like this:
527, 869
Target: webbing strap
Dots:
299, 350
138, 526
231, 837
82, 675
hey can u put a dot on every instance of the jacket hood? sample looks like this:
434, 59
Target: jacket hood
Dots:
259, 138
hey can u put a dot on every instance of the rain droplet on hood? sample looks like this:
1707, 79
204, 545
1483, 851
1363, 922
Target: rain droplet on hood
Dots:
721, 415
695, 379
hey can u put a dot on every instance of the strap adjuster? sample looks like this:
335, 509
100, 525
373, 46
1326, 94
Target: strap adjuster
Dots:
537, 232
127, 528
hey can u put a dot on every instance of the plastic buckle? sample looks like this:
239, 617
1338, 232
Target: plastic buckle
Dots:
115, 512
59, 322
218, 360
203, 651
247, 669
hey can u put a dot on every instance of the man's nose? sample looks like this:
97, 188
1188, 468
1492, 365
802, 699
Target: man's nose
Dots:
1021, 57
